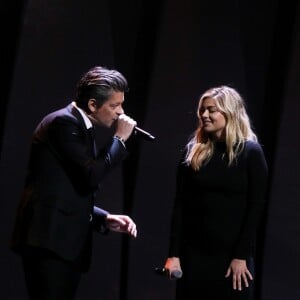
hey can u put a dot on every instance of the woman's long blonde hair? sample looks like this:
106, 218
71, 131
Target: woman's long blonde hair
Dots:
238, 129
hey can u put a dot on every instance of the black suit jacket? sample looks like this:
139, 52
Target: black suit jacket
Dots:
56, 211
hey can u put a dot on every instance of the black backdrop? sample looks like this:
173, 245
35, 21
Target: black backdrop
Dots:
170, 51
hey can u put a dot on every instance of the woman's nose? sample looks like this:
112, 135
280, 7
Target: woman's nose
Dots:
205, 113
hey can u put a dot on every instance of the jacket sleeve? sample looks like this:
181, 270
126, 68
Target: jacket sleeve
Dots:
98, 222
71, 145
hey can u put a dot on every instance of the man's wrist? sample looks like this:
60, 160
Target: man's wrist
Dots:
120, 139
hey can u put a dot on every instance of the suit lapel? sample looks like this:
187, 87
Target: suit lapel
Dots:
89, 132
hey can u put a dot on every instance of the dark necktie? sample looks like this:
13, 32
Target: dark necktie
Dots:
91, 131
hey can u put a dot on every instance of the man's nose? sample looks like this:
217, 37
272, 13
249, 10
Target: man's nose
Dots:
120, 111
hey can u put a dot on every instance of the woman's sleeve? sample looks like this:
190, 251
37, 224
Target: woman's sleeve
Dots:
176, 217
257, 170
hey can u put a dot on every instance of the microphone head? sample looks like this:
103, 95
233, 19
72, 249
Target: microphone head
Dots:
176, 274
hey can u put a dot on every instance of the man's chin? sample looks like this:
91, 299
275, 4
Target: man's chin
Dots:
112, 124
99, 123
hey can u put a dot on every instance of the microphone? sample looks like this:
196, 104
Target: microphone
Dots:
144, 133
175, 274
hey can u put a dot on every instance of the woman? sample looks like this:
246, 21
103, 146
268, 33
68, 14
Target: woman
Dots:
220, 195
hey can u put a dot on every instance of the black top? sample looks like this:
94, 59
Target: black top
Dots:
218, 208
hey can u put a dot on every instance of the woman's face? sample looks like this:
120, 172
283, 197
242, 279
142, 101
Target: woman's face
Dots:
213, 121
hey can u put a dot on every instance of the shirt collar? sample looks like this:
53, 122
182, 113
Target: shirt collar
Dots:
87, 121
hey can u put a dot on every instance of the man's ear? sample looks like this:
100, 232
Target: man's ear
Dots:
92, 105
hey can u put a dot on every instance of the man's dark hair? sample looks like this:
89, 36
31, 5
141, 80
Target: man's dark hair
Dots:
99, 83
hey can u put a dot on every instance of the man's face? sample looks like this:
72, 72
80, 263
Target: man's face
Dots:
109, 111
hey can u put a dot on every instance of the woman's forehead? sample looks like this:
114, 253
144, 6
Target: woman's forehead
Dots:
208, 102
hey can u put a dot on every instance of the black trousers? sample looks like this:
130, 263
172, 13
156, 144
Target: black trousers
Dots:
48, 277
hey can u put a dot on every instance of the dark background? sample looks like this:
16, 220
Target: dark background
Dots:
170, 51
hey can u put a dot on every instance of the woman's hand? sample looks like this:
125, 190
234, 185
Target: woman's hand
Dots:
240, 273
172, 265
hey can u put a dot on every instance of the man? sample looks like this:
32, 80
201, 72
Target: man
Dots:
56, 214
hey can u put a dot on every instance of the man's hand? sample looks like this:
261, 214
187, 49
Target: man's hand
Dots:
121, 223
125, 126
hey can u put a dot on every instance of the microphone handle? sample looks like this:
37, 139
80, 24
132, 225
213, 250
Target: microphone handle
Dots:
143, 132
